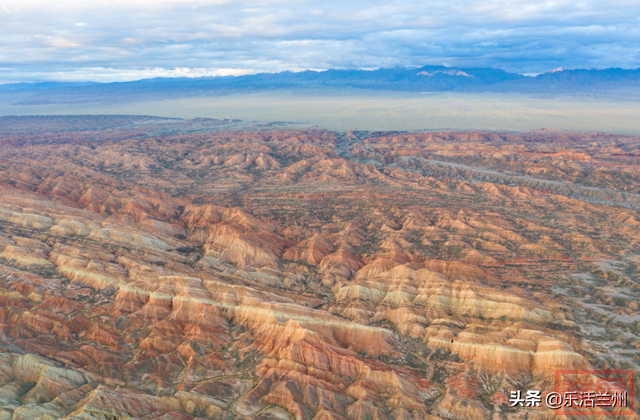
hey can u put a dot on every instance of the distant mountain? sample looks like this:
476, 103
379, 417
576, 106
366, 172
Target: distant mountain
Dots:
584, 79
424, 79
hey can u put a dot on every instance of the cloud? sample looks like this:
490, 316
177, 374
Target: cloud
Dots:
101, 74
113, 40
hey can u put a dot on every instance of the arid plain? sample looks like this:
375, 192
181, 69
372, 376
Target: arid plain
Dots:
177, 269
359, 109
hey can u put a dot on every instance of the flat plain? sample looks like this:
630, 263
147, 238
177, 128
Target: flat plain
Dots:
355, 109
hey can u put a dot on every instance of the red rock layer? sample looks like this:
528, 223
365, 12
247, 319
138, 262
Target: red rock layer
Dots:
262, 275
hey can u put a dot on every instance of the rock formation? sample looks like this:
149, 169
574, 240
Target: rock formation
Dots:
169, 274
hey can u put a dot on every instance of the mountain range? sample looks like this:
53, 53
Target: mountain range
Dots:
424, 79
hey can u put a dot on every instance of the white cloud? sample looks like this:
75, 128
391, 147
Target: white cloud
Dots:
41, 39
101, 74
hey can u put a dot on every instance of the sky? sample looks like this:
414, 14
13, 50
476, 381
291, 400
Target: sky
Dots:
122, 40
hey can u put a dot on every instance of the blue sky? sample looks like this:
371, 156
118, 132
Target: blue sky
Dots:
118, 40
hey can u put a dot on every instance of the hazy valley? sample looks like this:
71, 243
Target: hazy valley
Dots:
370, 110
428, 98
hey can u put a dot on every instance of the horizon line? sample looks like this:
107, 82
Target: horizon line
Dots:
294, 71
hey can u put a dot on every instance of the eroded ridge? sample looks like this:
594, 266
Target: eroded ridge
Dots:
309, 275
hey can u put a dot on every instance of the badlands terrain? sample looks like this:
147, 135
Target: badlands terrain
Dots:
178, 269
